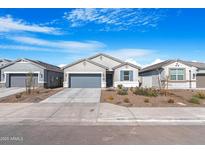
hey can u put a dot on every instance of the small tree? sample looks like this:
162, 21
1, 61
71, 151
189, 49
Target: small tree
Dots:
29, 83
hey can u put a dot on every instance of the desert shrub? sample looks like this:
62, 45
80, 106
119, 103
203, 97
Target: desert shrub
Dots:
146, 100
18, 95
146, 92
119, 86
194, 100
171, 101
126, 100
37, 91
200, 95
110, 98
131, 89
123, 91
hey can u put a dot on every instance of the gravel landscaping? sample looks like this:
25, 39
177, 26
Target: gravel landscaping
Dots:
35, 96
173, 98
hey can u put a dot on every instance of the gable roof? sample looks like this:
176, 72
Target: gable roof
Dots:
39, 63
5, 60
198, 65
156, 66
164, 63
126, 63
88, 60
105, 55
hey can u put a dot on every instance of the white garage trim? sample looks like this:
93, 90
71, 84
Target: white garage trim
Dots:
36, 72
65, 83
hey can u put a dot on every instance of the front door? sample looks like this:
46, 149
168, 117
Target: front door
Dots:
109, 80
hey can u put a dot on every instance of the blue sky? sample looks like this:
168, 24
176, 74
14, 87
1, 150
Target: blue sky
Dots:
141, 36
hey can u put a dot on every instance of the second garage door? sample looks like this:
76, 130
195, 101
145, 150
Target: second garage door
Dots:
85, 80
200, 80
19, 80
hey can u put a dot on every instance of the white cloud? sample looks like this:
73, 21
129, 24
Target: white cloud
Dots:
62, 45
61, 65
154, 62
115, 19
132, 61
26, 48
8, 24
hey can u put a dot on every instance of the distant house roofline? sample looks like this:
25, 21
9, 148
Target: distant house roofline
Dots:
41, 64
198, 65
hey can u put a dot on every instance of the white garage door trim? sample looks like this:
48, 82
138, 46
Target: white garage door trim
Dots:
102, 76
36, 72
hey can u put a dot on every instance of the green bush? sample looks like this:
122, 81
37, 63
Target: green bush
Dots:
194, 100
123, 91
119, 86
200, 95
145, 92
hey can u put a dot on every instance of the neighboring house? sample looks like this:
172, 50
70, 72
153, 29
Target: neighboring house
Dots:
100, 71
174, 74
2, 63
22, 71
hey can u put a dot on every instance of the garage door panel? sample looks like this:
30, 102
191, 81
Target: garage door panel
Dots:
19, 80
85, 80
200, 81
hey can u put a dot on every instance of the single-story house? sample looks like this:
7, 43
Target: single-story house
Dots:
100, 71
174, 74
23, 72
2, 63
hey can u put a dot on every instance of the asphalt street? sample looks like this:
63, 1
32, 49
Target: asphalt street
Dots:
92, 135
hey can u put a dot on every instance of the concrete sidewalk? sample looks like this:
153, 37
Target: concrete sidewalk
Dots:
151, 115
98, 114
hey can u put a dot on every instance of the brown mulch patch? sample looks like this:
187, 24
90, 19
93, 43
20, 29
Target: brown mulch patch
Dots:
181, 99
36, 96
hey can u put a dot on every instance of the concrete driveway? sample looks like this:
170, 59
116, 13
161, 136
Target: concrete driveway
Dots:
10, 91
76, 95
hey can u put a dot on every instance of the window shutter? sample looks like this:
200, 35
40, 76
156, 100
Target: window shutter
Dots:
121, 75
131, 75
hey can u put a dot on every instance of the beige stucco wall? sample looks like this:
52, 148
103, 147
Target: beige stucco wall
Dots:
105, 61
133, 83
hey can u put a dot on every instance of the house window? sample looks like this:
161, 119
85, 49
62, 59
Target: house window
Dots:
126, 75
177, 74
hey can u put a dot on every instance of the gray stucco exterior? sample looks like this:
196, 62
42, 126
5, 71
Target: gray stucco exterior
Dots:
46, 78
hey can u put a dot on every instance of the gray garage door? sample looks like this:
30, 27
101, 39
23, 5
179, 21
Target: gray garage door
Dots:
85, 80
200, 80
19, 80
